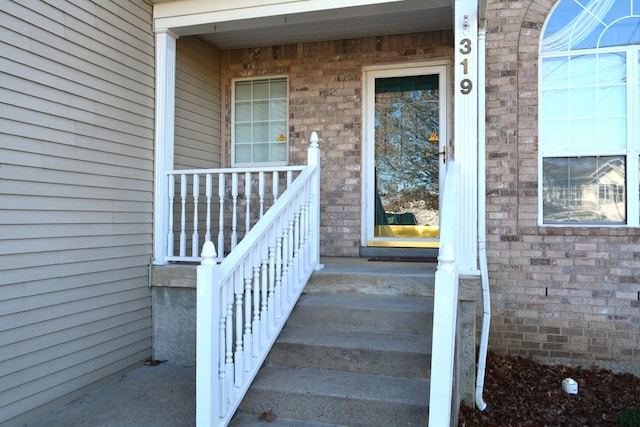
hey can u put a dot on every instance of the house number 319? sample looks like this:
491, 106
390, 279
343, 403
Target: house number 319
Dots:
465, 84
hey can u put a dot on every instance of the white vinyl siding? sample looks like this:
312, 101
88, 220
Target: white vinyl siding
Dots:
197, 116
76, 198
198, 105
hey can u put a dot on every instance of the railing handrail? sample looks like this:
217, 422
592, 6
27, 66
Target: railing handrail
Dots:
239, 170
243, 303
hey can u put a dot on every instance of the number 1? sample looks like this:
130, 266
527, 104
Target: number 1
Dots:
464, 66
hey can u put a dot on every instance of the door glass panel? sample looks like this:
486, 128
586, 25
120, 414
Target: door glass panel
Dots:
407, 161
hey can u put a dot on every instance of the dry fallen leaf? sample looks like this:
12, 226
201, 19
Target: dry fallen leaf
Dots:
268, 416
152, 362
524, 393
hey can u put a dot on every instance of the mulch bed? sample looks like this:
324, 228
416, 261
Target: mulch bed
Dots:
522, 393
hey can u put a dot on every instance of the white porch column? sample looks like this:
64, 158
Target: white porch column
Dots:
466, 86
165, 116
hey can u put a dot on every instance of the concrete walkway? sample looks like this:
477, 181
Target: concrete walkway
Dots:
158, 396
149, 396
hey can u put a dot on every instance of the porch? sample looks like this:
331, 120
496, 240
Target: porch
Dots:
225, 318
251, 293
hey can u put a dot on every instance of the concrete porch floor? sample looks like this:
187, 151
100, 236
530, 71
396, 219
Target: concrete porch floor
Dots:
164, 395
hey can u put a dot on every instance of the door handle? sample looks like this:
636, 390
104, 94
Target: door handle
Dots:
444, 154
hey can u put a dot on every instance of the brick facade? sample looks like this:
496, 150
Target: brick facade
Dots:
570, 294
567, 294
325, 87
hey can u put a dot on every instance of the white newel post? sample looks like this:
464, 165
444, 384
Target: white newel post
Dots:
465, 103
165, 106
207, 343
313, 159
445, 313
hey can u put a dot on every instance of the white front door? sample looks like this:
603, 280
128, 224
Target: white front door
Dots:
405, 154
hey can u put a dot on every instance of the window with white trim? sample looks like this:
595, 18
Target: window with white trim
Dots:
589, 112
260, 117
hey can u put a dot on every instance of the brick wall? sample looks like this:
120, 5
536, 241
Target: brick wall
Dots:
559, 293
325, 96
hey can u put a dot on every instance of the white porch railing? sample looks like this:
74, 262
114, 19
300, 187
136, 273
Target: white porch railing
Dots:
220, 205
446, 307
243, 302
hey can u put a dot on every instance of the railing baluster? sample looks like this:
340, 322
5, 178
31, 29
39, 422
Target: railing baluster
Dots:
276, 182
284, 293
291, 276
248, 340
183, 215
234, 219
224, 351
308, 230
296, 246
221, 193
303, 236
195, 237
278, 284
170, 236
256, 311
247, 196
228, 358
264, 322
272, 286
241, 339
311, 227
261, 192
208, 195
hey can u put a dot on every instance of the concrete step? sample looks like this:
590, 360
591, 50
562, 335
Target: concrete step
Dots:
400, 355
352, 360
358, 276
335, 397
364, 313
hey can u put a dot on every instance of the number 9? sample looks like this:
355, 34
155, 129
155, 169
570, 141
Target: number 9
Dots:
466, 86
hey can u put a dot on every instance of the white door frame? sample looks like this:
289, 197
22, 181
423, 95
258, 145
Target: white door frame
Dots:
442, 68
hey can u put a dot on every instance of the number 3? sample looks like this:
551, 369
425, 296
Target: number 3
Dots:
466, 46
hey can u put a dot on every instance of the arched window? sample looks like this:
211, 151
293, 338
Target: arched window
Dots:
589, 112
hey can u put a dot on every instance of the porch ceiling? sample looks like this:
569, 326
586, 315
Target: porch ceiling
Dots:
393, 17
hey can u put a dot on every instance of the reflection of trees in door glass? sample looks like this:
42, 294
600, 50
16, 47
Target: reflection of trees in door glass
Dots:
406, 162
